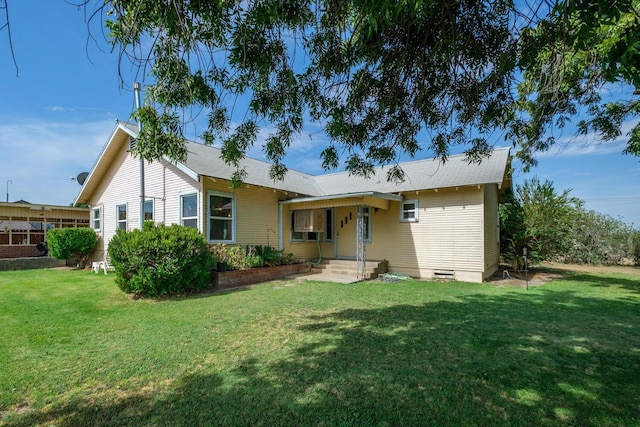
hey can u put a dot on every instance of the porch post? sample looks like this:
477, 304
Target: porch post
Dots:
361, 261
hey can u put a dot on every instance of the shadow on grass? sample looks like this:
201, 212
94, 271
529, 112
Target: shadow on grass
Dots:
607, 281
544, 358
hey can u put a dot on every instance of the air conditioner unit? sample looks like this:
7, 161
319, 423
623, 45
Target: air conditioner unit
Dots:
310, 220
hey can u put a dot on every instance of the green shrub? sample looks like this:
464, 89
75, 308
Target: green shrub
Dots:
160, 260
71, 243
241, 258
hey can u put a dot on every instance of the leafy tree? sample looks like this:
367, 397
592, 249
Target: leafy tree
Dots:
539, 218
512, 231
555, 226
599, 239
568, 59
373, 73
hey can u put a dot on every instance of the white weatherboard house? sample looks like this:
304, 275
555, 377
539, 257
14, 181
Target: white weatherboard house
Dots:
441, 221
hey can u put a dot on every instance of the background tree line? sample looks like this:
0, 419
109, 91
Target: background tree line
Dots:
556, 227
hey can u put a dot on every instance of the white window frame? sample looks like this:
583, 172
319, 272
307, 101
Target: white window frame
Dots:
153, 210
93, 218
415, 210
233, 218
182, 217
126, 217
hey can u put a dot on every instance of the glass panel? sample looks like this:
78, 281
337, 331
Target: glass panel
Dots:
328, 226
148, 210
122, 212
189, 206
367, 224
96, 218
409, 211
193, 223
220, 229
122, 216
220, 206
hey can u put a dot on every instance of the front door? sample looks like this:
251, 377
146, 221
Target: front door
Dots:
345, 224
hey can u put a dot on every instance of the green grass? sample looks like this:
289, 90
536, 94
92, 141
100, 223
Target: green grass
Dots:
74, 350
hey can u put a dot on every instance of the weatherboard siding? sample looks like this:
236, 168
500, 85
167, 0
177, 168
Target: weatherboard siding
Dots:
163, 183
256, 212
447, 236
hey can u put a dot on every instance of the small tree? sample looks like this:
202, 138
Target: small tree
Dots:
71, 243
512, 231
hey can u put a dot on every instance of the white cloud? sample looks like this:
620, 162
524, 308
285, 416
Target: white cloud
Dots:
41, 156
580, 145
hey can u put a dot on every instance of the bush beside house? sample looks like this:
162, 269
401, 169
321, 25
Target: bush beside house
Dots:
160, 260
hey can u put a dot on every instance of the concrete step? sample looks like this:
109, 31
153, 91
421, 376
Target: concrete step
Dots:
349, 268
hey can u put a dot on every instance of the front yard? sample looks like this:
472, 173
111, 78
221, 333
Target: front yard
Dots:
74, 350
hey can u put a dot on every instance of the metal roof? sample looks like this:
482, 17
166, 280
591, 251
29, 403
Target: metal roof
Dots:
426, 174
423, 175
205, 160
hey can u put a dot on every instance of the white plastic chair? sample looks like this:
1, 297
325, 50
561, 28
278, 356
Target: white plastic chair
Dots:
102, 265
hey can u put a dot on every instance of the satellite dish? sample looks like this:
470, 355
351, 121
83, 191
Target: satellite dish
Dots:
82, 177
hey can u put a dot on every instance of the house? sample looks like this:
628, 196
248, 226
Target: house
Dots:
442, 220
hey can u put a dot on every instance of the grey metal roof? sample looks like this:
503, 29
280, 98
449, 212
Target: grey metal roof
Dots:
423, 175
205, 160
426, 174
419, 174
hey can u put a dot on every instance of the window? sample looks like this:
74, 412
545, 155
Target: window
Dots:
301, 236
367, 224
189, 210
95, 218
221, 217
328, 225
148, 210
409, 212
121, 217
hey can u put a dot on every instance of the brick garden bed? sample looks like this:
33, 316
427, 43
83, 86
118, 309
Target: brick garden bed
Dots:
235, 278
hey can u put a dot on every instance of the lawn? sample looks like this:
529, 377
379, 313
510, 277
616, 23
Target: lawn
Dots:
74, 351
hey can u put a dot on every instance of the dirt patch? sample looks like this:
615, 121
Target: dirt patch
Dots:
546, 272
535, 277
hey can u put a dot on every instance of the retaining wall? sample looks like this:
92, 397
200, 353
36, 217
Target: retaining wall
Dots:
235, 278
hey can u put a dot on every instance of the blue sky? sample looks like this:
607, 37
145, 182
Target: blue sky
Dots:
57, 114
